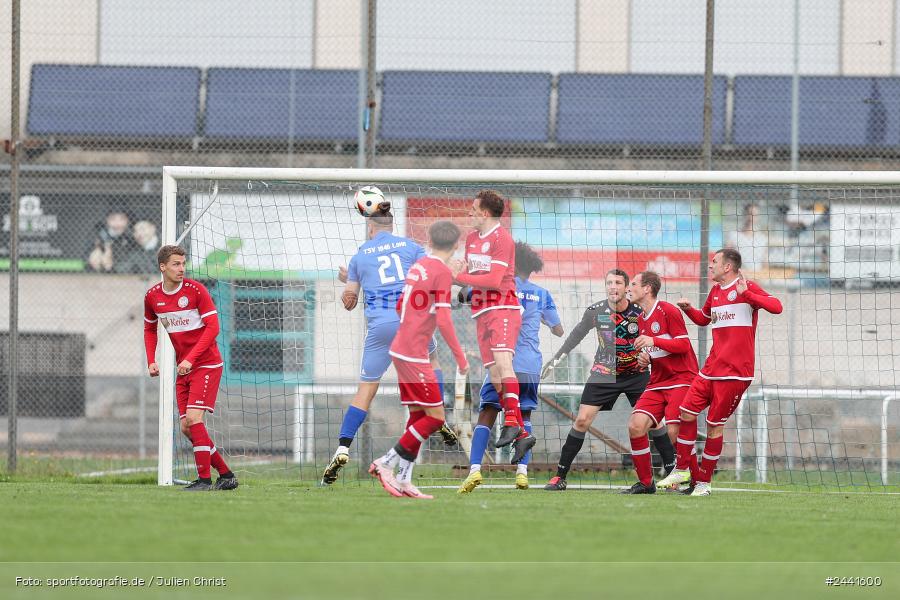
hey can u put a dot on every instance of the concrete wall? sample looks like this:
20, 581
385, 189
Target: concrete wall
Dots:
108, 309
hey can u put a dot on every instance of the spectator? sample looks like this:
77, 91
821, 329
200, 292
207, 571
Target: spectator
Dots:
751, 240
110, 243
141, 256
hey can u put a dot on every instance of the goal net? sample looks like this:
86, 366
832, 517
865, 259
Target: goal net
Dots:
268, 244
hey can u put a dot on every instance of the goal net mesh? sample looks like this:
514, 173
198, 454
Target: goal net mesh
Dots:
817, 415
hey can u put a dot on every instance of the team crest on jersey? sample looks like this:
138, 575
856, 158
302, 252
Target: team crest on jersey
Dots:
632, 328
182, 302
654, 328
732, 295
485, 246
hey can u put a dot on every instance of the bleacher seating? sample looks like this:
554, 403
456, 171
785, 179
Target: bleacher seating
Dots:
278, 104
427, 106
420, 107
637, 109
834, 111
109, 101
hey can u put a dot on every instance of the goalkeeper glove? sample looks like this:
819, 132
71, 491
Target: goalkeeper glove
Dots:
552, 364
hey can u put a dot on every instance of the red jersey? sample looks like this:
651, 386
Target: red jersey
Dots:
494, 249
189, 317
668, 370
426, 289
733, 318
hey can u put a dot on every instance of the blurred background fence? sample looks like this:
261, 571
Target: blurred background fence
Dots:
111, 90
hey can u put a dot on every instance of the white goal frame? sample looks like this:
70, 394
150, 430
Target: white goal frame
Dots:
172, 175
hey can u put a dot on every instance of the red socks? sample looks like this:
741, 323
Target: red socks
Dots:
202, 446
509, 401
217, 462
711, 453
418, 428
684, 445
640, 456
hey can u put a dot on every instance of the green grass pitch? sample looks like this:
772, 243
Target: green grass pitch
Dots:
272, 539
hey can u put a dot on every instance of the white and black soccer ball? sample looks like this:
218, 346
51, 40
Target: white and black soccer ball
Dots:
367, 200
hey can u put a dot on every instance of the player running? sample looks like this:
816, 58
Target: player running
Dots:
664, 344
188, 314
615, 371
732, 308
490, 270
379, 268
538, 307
425, 303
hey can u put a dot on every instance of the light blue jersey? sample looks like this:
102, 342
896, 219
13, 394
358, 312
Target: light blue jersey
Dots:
538, 307
380, 267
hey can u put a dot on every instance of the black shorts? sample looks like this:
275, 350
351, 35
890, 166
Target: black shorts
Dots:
605, 393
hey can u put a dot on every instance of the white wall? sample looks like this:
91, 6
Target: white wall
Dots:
668, 36
868, 37
520, 35
204, 33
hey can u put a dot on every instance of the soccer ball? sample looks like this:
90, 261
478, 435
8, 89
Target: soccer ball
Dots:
367, 200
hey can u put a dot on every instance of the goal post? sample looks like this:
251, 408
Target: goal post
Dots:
821, 240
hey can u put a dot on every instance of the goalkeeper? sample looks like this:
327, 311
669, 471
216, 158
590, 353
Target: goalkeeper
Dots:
615, 370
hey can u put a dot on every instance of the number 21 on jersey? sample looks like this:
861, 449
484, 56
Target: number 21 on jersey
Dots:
385, 264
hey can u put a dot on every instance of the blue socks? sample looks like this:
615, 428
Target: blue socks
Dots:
480, 438
527, 456
353, 419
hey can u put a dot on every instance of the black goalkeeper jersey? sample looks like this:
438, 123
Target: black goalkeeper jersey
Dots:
616, 332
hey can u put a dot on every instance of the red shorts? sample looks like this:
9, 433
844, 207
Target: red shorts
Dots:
418, 383
662, 403
722, 396
497, 331
197, 389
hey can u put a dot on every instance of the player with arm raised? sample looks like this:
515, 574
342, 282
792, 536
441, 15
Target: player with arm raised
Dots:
538, 307
378, 270
424, 305
666, 348
489, 269
187, 313
732, 309
615, 371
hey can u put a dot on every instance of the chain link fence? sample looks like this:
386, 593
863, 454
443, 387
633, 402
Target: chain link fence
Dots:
113, 90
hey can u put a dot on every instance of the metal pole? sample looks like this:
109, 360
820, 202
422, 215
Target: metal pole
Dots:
795, 101
884, 438
372, 26
362, 86
703, 287
13, 381
142, 409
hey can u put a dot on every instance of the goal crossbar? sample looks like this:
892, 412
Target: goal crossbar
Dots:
549, 176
